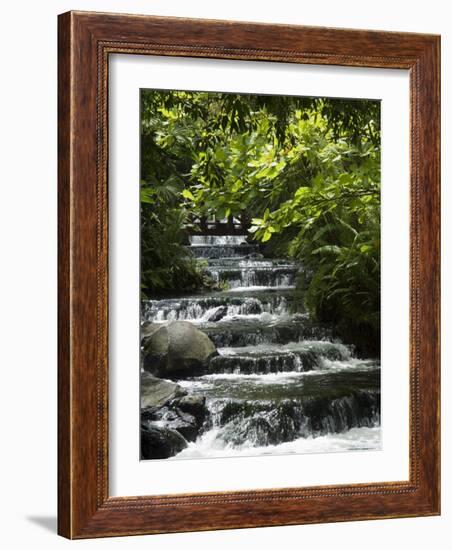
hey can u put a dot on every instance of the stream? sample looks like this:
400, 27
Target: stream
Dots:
280, 382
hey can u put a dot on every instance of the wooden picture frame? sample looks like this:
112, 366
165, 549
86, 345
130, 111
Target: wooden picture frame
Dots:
86, 40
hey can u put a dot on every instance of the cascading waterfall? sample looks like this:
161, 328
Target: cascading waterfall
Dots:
280, 383
217, 240
198, 308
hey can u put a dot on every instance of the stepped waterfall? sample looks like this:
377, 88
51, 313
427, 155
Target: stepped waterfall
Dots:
279, 383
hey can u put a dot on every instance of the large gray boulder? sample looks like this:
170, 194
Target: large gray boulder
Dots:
177, 350
156, 392
148, 328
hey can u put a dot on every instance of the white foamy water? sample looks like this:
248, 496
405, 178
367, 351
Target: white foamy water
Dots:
208, 380
262, 317
350, 364
290, 347
253, 288
210, 445
217, 240
293, 347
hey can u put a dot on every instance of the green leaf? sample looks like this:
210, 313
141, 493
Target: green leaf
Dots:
327, 249
236, 186
302, 192
188, 194
267, 236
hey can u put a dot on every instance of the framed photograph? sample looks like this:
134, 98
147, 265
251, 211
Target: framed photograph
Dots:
248, 275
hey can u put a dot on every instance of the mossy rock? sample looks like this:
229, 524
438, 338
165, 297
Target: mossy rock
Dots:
177, 350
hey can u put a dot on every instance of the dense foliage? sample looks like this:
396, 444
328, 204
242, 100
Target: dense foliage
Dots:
165, 263
304, 173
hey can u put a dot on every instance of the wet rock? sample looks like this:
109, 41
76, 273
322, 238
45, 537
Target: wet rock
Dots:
160, 442
177, 350
173, 418
194, 405
253, 307
185, 415
216, 314
155, 392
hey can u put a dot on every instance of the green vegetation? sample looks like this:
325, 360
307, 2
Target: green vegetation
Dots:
302, 173
165, 263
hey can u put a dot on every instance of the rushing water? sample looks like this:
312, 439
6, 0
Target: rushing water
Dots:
280, 383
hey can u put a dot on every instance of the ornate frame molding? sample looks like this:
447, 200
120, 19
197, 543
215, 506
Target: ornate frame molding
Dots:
85, 42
